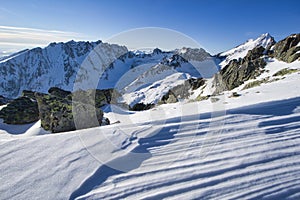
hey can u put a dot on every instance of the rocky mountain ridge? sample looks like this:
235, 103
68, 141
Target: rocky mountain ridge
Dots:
238, 71
141, 80
265, 40
56, 65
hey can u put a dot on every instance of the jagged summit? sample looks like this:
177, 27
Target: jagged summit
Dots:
157, 51
196, 54
56, 65
73, 42
265, 40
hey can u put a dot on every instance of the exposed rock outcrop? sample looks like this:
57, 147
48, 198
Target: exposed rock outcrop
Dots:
141, 106
29, 94
57, 109
238, 71
22, 110
58, 114
193, 54
97, 97
182, 91
288, 49
57, 92
55, 113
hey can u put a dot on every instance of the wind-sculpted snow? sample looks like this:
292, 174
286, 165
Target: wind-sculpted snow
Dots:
254, 154
255, 157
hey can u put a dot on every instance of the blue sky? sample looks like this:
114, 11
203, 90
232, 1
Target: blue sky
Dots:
217, 25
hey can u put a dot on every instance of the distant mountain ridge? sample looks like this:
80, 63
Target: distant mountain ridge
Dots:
39, 69
57, 65
141, 77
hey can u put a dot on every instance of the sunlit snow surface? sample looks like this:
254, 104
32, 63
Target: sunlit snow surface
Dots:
246, 147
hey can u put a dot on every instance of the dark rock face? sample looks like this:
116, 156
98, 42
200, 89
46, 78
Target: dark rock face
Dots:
286, 49
57, 114
62, 111
174, 61
28, 93
254, 54
157, 51
97, 97
196, 83
55, 91
58, 108
86, 115
105, 121
238, 71
170, 97
22, 110
182, 91
193, 54
141, 106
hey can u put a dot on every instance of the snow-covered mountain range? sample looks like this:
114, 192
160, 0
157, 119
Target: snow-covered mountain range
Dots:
57, 65
39, 69
140, 76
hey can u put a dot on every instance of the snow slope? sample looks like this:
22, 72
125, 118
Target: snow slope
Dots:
126, 69
154, 81
149, 91
255, 156
231, 149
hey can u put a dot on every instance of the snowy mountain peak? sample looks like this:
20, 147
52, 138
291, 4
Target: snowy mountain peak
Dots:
263, 36
56, 65
262, 40
265, 40
195, 54
157, 51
